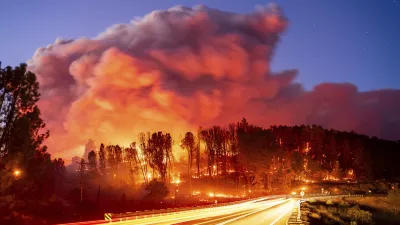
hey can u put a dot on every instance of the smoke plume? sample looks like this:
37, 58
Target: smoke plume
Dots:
176, 69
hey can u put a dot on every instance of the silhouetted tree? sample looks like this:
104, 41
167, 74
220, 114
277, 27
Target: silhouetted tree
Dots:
198, 150
92, 166
21, 137
188, 143
160, 146
139, 160
206, 136
118, 159
111, 159
132, 165
102, 160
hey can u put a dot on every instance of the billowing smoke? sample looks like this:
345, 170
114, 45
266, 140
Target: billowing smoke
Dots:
176, 69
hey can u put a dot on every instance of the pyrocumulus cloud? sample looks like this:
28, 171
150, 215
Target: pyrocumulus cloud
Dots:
176, 69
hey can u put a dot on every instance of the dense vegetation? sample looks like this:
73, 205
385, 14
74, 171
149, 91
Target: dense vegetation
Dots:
253, 157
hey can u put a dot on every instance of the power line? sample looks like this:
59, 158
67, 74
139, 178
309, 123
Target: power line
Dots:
90, 186
81, 166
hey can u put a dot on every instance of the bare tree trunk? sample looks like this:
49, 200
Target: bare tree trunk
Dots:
139, 162
3, 95
190, 178
10, 116
198, 154
209, 167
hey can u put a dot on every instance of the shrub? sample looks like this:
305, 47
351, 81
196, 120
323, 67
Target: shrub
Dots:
312, 200
356, 214
343, 214
329, 202
332, 210
315, 216
156, 190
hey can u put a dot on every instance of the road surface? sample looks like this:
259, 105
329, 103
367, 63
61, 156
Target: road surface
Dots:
253, 212
274, 212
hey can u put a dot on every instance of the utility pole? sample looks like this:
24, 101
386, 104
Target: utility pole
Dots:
176, 194
81, 169
176, 190
216, 179
190, 162
98, 198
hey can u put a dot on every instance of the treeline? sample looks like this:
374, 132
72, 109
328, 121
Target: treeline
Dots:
252, 157
273, 158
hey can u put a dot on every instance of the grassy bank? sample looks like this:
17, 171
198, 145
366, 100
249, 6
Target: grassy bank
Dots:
370, 210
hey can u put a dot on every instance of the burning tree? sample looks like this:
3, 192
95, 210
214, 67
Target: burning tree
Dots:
206, 136
102, 159
92, 159
188, 143
160, 145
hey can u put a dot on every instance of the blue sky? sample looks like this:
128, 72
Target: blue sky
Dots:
355, 41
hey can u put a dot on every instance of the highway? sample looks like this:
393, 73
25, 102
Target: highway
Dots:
260, 211
272, 210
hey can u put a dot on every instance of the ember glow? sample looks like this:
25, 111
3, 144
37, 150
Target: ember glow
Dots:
176, 69
17, 173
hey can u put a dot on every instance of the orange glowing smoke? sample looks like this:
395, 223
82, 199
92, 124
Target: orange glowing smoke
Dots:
176, 69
